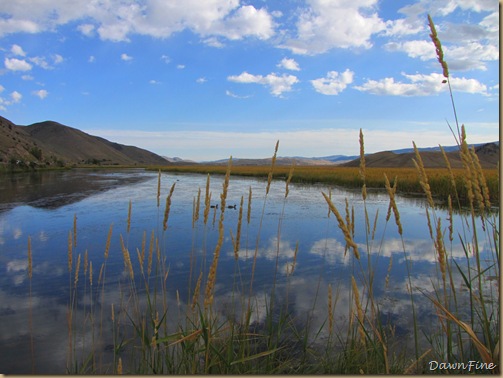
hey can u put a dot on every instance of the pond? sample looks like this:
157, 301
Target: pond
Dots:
291, 249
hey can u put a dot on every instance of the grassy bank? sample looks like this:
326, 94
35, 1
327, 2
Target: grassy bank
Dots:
440, 180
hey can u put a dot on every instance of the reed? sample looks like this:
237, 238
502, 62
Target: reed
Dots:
192, 334
344, 227
167, 208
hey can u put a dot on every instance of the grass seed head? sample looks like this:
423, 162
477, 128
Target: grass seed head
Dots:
109, 239
438, 47
273, 163
77, 268
70, 252
168, 206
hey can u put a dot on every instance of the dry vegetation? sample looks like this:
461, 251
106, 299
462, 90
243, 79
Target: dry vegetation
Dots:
202, 341
440, 179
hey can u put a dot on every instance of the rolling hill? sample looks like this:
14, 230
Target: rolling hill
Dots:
488, 154
50, 143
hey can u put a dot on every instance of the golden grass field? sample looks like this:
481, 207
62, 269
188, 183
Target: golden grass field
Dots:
348, 177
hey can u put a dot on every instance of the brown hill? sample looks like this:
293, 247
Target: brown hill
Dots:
488, 154
51, 143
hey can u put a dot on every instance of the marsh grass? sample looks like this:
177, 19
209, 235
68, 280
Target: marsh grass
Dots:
190, 334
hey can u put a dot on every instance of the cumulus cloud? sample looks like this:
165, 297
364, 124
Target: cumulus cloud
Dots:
117, 20
13, 98
446, 7
44, 62
14, 64
468, 56
40, 61
402, 27
277, 84
17, 50
289, 64
42, 93
334, 83
16, 96
248, 21
86, 29
126, 57
325, 25
421, 85
421, 49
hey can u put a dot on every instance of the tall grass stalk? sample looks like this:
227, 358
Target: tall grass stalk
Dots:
156, 326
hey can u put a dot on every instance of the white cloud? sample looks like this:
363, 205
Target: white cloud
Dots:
247, 21
403, 27
8, 26
57, 59
446, 7
334, 83
289, 64
277, 84
17, 50
14, 64
42, 93
231, 94
421, 85
126, 57
41, 62
16, 96
471, 56
422, 49
180, 66
214, 42
92, 59
201, 80
467, 56
325, 25
118, 20
86, 29
154, 82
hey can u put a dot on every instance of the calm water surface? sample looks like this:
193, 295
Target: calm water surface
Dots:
42, 206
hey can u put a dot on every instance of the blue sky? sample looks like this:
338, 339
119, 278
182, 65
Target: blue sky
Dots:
206, 79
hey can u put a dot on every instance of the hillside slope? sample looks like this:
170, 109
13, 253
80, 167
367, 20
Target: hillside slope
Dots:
51, 143
488, 154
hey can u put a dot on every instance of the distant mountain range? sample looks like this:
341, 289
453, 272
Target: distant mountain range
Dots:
52, 144
488, 153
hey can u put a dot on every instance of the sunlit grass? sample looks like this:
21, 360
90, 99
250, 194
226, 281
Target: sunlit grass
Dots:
190, 335
348, 177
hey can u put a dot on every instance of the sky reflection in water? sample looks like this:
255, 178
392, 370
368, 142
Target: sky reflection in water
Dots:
100, 199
